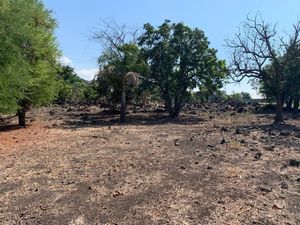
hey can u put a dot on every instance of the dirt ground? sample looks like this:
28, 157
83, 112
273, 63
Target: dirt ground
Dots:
78, 166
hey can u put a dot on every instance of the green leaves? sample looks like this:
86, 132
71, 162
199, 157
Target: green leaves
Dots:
180, 59
71, 88
28, 54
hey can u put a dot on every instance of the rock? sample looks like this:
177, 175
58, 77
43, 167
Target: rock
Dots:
68, 182
243, 141
117, 193
222, 141
298, 180
182, 167
270, 148
209, 167
294, 162
258, 155
277, 206
272, 133
225, 129
238, 131
176, 144
242, 131
240, 110
266, 189
285, 133
284, 185
221, 202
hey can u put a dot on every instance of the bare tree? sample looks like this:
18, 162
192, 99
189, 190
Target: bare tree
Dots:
114, 58
257, 45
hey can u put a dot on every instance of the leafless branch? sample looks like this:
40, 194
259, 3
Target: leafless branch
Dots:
112, 35
256, 45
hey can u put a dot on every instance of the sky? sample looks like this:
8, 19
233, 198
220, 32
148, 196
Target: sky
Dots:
219, 19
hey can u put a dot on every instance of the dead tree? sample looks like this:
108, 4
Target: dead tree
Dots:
257, 45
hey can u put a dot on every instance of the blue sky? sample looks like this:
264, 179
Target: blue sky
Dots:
78, 19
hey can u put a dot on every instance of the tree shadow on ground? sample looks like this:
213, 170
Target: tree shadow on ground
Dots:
280, 134
83, 120
267, 128
271, 109
8, 128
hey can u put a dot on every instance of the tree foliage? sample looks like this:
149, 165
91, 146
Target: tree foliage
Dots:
180, 59
28, 56
72, 88
290, 83
120, 62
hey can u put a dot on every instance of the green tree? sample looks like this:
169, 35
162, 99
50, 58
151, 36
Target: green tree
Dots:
180, 59
240, 97
290, 83
13, 66
120, 62
73, 88
121, 72
29, 35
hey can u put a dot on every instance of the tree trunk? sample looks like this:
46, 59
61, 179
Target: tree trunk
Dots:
170, 110
177, 107
21, 116
279, 115
123, 106
174, 110
279, 98
296, 104
168, 105
289, 103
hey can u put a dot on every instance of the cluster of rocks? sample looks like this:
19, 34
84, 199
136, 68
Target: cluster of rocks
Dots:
224, 106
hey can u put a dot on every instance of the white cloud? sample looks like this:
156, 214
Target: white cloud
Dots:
87, 74
65, 61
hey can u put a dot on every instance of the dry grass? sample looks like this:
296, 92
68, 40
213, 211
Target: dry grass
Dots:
149, 173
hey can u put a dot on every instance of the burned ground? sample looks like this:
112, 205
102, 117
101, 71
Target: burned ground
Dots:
77, 165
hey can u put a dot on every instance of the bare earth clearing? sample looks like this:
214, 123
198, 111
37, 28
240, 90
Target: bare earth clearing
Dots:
78, 166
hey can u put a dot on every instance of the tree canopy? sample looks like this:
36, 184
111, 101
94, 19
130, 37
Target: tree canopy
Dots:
72, 88
290, 82
120, 62
180, 58
28, 56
